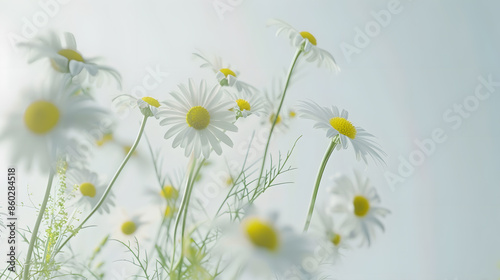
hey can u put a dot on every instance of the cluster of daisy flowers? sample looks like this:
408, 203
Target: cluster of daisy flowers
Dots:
61, 123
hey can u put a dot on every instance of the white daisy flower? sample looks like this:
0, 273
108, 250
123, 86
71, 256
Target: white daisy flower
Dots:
147, 105
88, 190
263, 248
199, 119
307, 42
65, 58
336, 124
128, 227
334, 238
360, 205
247, 104
51, 123
225, 75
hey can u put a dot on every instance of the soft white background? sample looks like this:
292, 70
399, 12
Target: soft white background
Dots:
444, 222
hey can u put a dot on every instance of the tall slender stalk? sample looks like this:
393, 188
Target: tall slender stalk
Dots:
34, 234
326, 157
289, 75
110, 185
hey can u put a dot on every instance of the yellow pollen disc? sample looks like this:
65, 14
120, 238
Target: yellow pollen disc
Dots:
88, 189
41, 117
151, 101
292, 114
229, 181
105, 138
198, 117
227, 71
343, 126
169, 212
243, 104
169, 192
336, 239
129, 228
261, 234
271, 119
71, 54
361, 206
308, 36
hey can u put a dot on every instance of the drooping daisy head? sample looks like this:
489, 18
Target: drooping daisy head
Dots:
199, 118
148, 105
262, 247
359, 203
88, 188
224, 73
305, 41
337, 124
51, 123
65, 58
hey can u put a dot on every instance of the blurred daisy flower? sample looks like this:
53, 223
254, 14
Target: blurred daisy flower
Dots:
334, 238
88, 190
336, 124
128, 227
307, 43
263, 248
225, 75
65, 58
147, 105
51, 123
360, 206
199, 119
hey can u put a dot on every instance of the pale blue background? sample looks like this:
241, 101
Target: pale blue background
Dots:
444, 222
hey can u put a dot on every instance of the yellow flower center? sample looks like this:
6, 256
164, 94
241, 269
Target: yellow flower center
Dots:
361, 206
169, 192
227, 71
261, 234
271, 119
292, 114
343, 126
169, 212
105, 138
88, 189
70, 55
243, 104
198, 118
41, 117
129, 228
336, 239
308, 36
151, 101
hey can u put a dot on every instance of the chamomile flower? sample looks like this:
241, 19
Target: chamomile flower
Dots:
262, 247
247, 104
147, 105
66, 58
88, 189
360, 206
199, 118
334, 237
336, 123
128, 227
225, 75
306, 42
51, 123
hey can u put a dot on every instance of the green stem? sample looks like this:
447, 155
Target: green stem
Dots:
37, 225
181, 210
110, 185
289, 75
326, 157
